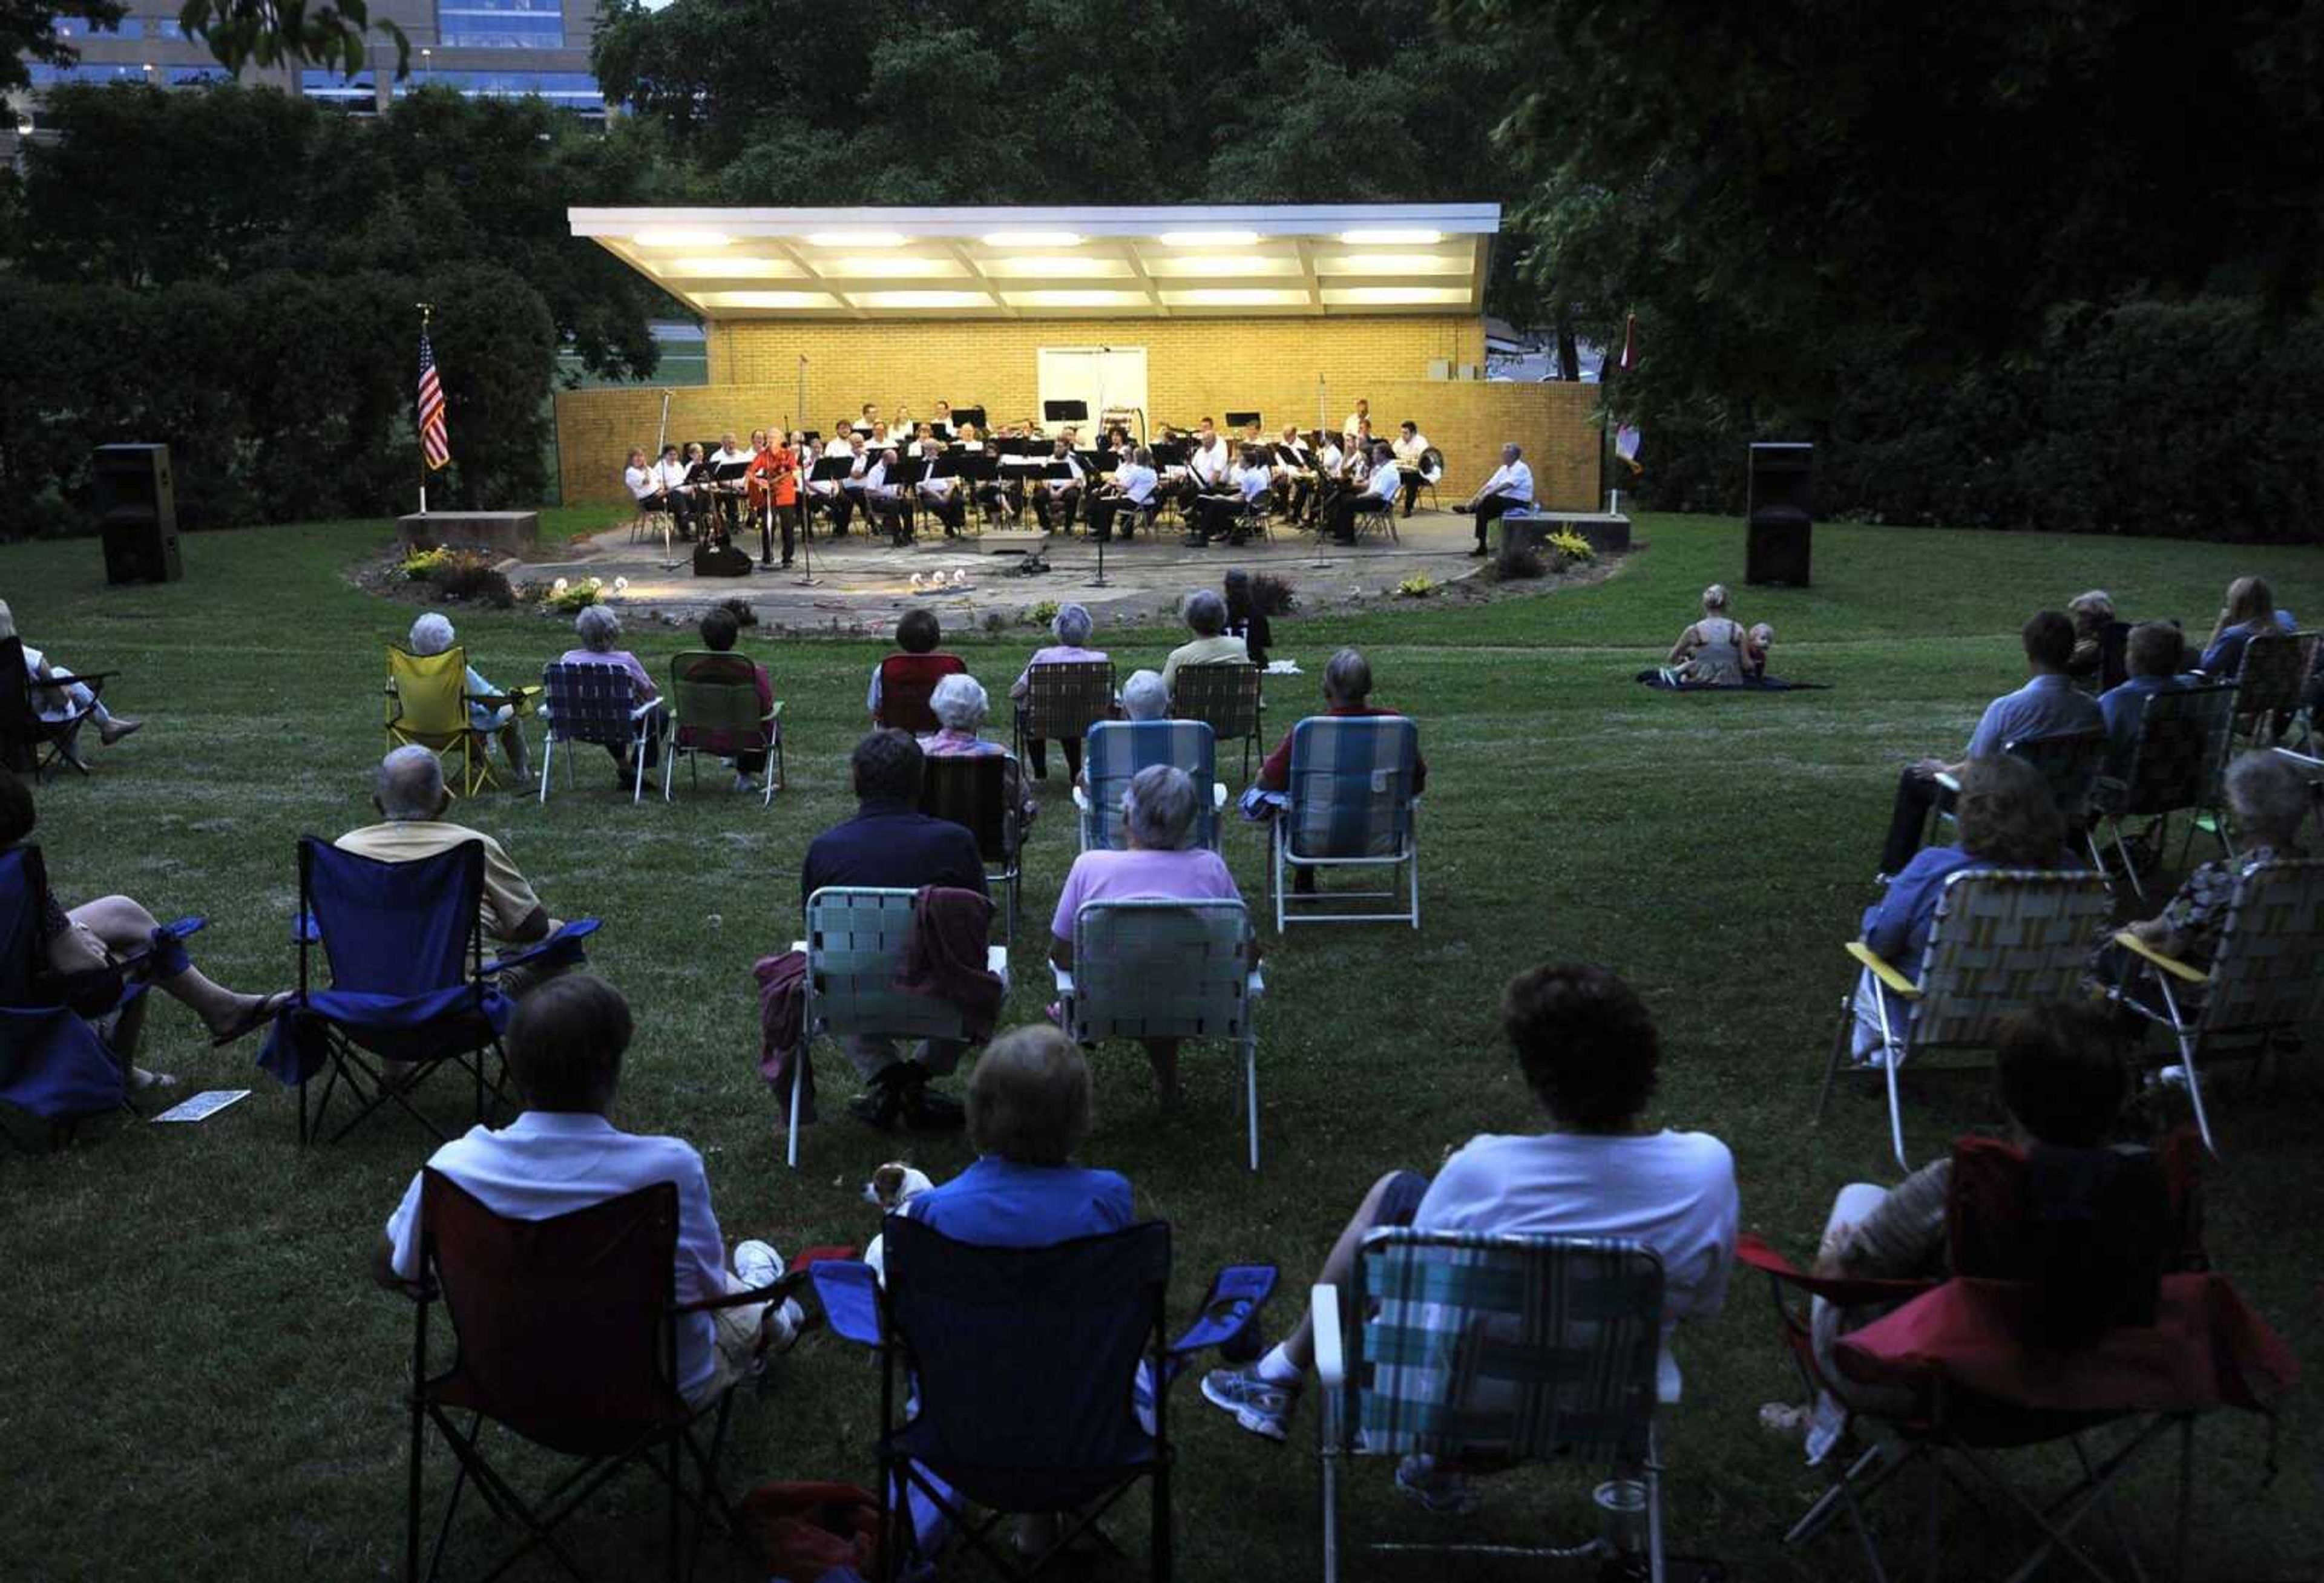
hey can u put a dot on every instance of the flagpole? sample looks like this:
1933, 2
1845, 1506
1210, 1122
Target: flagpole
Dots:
427, 310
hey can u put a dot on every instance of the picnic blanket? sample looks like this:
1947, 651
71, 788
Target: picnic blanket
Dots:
1665, 678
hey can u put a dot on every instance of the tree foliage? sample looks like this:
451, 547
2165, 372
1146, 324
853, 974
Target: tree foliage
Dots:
286, 33
28, 31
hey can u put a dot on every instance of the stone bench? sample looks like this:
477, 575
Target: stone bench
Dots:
515, 533
1609, 533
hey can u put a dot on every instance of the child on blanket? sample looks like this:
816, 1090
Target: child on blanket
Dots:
1756, 644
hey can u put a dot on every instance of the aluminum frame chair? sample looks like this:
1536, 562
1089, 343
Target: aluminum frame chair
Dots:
730, 704
1349, 804
2070, 762
428, 704
1115, 751
1374, 515
2267, 974
1151, 970
855, 940
28, 743
1224, 696
2003, 941
1510, 1349
972, 790
1062, 701
907, 681
2175, 764
595, 702
2272, 684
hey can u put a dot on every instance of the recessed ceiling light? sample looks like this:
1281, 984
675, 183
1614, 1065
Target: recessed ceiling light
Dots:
1056, 269
1234, 296
1391, 238
1387, 296
1032, 239
768, 300
919, 300
858, 238
683, 239
737, 268
1209, 238
1076, 299
1391, 263
889, 269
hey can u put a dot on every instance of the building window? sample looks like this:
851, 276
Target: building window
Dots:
568, 90
500, 24
349, 93
167, 27
78, 27
43, 74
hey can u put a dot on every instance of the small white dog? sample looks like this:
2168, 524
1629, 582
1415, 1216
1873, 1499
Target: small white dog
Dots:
892, 1186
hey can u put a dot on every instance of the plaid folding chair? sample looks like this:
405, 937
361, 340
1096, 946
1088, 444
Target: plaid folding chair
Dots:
2311, 770
1113, 753
2069, 763
972, 790
1062, 701
2272, 684
57, 1063
596, 702
427, 706
907, 681
29, 743
2175, 763
410, 992
2266, 977
1165, 969
1223, 697
854, 946
1472, 1348
565, 1336
1978, 1374
1349, 805
714, 710
1026, 1380
2003, 941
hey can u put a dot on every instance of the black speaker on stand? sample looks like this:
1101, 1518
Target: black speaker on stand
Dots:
1780, 515
137, 512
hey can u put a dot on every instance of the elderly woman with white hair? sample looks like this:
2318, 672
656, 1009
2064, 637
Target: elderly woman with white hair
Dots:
960, 705
1205, 610
432, 634
600, 629
1163, 862
66, 697
2268, 798
2092, 613
1071, 629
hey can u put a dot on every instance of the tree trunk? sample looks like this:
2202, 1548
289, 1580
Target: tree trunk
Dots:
1569, 351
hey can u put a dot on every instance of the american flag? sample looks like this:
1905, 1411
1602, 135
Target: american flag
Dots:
434, 443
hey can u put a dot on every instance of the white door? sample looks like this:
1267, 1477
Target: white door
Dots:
1101, 378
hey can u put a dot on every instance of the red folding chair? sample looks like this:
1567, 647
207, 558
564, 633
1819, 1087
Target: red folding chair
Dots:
907, 681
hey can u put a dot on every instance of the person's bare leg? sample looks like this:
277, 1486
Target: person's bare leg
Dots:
126, 929
1163, 1054
512, 745
1299, 1346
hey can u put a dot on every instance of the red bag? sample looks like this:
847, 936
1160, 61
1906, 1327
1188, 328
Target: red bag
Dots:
806, 1530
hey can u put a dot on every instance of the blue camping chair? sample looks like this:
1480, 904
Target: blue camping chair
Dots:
1028, 1379
55, 1066
1349, 805
409, 983
1114, 750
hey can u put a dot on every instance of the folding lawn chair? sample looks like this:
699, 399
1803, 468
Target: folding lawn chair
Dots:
410, 990
715, 698
2069, 763
1374, 515
907, 681
1467, 1346
972, 790
2004, 939
2266, 977
855, 944
1983, 1369
1163, 969
1062, 701
2272, 684
1113, 753
28, 743
566, 1334
1026, 1380
428, 704
1349, 805
2175, 761
596, 702
1223, 697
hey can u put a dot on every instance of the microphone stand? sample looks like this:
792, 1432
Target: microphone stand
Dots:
806, 506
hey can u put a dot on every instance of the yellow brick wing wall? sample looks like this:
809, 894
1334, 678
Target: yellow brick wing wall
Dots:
1193, 367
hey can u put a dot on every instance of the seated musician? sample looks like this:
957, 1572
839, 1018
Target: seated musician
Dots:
1207, 461
1062, 495
884, 502
941, 496
1410, 446
1131, 489
1380, 486
1509, 487
701, 509
833, 494
1294, 472
669, 475
729, 495
644, 483
868, 424
1253, 480
941, 423
1360, 421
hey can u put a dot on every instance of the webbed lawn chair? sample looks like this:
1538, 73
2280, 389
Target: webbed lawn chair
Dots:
1115, 751
1349, 805
1062, 701
1222, 697
596, 702
972, 790
715, 698
2271, 682
2175, 764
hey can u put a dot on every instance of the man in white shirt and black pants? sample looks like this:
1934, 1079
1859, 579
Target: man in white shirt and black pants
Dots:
1380, 488
1131, 491
1509, 487
1411, 448
941, 495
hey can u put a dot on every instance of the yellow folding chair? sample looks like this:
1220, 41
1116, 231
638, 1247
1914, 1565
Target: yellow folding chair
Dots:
428, 704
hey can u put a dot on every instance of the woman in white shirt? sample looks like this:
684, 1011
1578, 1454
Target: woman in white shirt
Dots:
68, 698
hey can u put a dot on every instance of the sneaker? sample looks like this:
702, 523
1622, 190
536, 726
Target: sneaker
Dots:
879, 1107
1435, 1490
1262, 1409
743, 783
2173, 1076
924, 1110
757, 1265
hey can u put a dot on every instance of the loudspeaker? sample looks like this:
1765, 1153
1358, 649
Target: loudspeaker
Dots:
137, 512
718, 558
1780, 513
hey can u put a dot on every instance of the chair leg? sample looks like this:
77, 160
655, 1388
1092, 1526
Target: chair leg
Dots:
1653, 1471
2186, 1497
1840, 1043
548, 763
1250, 1091
1331, 1519
1892, 1057
798, 1086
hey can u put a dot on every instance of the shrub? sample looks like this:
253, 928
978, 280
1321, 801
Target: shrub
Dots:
1516, 564
1569, 544
1419, 585
421, 565
1272, 594
470, 575
1042, 614
742, 610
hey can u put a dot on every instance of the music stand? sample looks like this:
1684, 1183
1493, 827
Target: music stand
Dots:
826, 468
1242, 420
1065, 412
972, 417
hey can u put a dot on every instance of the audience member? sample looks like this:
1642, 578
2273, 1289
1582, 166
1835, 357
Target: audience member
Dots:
2047, 705
563, 1154
66, 697
1162, 863
1205, 614
1245, 618
599, 629
719, 632
2153, 655
960, 706
432, 634
1071, 629
917, 633
1711, 652
2092, 614
2267, 799
1146, 696
2008, 819
890, 845
1347, 692
412, 800
1756, 646
1586, 1045
1029, 1111
115, 932
2249, 611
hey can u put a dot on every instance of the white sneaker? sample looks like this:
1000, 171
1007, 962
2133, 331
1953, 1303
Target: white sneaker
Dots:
743, 783
2172, 1077
757, 1264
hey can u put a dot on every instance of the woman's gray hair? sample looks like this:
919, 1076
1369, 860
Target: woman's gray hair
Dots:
431, 634
959, 702
2268, 795
598, 626
1144, 697
1205, 611
1347, 677
1071, 625
2097, 605
7, 621
1158, 806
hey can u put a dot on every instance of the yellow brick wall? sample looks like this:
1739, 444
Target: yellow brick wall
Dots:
1193, 367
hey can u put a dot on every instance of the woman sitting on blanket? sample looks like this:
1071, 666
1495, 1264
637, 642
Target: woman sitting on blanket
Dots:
1710, 653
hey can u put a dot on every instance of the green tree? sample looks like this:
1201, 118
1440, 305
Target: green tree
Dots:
284, 33
28, 32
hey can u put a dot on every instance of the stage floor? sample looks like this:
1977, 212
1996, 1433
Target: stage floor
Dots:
862, 585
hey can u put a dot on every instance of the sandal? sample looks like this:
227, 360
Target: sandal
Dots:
261, 1011
142, 1080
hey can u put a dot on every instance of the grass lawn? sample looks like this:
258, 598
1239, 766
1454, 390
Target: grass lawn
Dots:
199, 1381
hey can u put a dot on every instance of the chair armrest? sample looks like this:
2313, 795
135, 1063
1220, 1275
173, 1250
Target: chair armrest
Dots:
1217, 796
1063, 981
1330, 1357
849, 1290
1228, 1308
564, 942
1081, 799
784, 1286
996, 962
638, 712
799, 946
2168, 965
1951, 783
1255, 984
1845, 1290
1882, 970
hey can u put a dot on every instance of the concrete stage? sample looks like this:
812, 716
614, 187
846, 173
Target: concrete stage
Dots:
862, 585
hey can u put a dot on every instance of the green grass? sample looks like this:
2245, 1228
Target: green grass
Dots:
199, 1381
